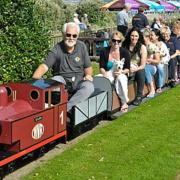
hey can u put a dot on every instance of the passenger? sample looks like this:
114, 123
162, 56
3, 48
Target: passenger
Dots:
153, 59
71, 65
156, 23
176, 31
162, 73
134, 43
173, 45
109, 58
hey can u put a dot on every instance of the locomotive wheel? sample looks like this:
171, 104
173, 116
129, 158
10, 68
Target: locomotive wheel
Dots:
11, 167
40, 152
78, 131
1, 173
95, 122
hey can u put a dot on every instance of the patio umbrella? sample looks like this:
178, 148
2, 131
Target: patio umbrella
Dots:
118, 5
154, 7
175, 3
168, 7
106, 6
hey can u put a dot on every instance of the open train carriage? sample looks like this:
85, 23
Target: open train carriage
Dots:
29, 119
86, 114
114, 103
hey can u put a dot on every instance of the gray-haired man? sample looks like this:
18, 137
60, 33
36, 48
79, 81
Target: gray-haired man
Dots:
71, 65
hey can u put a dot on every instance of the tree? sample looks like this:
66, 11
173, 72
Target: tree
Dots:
95, 15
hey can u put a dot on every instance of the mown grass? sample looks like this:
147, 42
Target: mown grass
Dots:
95, 66
143, 144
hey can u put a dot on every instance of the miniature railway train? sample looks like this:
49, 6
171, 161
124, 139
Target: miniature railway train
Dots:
33, 114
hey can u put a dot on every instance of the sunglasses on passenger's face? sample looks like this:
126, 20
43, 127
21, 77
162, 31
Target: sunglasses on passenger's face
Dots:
116, 40
71, 35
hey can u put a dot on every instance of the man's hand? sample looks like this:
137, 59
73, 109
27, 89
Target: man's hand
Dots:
88, 77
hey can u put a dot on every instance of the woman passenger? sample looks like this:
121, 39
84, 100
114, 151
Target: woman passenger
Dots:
153, 58
156, 37
134, 43
174, 47
176, 31
116, 54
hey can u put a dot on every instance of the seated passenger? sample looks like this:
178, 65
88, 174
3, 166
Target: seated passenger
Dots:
156, 23
176, 31
173, 45
155, 37
115, 65
153, 58
71, 65
134, 43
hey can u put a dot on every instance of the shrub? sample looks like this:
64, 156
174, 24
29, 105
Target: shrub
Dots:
52, 13
24, 41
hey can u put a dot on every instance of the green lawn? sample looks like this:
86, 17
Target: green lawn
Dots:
143, 144
95, 66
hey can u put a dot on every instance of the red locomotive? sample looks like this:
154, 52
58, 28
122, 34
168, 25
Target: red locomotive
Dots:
29, 118
34, 114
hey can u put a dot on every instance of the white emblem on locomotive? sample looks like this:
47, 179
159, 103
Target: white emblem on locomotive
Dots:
37, 131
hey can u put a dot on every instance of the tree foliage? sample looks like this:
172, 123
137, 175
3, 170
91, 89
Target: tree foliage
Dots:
25, 28
23, 39
95, 14
54, 13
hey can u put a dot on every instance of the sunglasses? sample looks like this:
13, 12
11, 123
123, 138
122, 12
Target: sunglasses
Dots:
116, 40
73, 35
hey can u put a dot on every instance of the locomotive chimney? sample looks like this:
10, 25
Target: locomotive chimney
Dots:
3, 96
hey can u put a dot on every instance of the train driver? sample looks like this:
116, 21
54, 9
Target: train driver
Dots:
71, 65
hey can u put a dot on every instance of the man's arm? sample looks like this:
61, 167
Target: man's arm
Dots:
88, 74
40, 71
